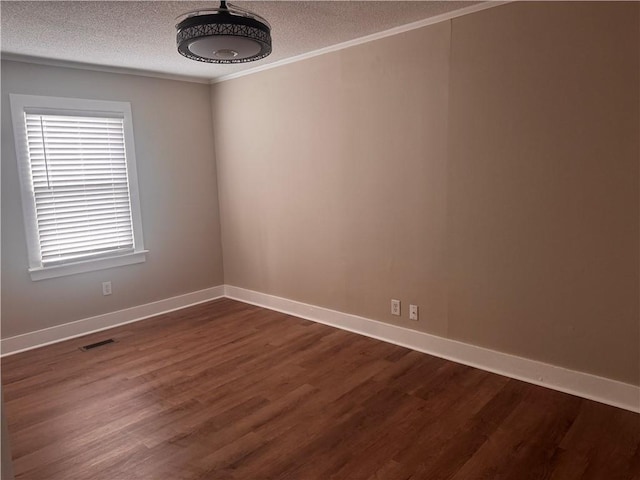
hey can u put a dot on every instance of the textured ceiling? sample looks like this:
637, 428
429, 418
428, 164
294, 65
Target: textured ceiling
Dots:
141, 35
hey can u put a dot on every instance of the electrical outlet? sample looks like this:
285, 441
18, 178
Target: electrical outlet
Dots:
413, 312
106, 288
395, 307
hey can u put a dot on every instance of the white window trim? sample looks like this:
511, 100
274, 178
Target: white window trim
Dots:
53, 105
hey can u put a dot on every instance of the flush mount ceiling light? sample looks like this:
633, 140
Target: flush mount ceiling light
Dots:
227, 34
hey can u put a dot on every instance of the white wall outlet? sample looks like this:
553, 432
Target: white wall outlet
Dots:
106, 288
413, 312
395, 307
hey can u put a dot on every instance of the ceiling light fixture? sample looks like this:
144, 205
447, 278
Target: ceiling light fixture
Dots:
227, 34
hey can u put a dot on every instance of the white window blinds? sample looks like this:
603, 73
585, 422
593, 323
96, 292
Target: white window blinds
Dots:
78, 167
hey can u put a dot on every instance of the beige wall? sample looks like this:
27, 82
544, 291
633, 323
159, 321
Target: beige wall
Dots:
322, 212
485, 169
178, 196
543, 184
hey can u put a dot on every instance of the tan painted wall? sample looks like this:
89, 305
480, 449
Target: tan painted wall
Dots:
485, 169
543, 184
178, 195
313, 209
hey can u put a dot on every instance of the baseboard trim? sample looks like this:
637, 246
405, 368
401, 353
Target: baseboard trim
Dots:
585, 385
59, 333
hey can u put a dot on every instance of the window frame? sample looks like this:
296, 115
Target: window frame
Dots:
70, 106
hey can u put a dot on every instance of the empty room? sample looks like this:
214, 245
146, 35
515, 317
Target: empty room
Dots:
320, 240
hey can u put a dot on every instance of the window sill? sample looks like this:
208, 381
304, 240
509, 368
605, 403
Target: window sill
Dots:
87, 266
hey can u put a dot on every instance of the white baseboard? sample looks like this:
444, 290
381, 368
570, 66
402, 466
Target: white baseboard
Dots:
592, 387
40, 338
600, 389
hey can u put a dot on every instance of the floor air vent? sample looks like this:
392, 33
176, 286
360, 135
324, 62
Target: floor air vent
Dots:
97, 344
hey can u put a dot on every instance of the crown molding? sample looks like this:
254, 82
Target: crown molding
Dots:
53, 62
367, 38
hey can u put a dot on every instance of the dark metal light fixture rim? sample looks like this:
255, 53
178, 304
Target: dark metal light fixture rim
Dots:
221, 19
229, 9
185, 36
226, 21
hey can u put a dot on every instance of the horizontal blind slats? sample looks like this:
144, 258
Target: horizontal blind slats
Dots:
75, 156
74, 245
70, 185
80, 220
77, 246
80, 183
59, 119
50, 230
115, 213
62, 259
71, 198
74, 196
62, 212
88, 177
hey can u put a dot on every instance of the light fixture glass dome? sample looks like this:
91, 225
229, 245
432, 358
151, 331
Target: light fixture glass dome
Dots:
227, 34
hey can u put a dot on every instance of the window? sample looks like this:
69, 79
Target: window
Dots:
76, 160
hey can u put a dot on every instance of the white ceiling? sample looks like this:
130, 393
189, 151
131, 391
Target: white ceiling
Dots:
140, 35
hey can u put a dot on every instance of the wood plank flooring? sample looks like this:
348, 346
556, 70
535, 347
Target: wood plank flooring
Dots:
228, 391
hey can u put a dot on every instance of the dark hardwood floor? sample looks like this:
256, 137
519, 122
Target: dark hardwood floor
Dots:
226, 391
